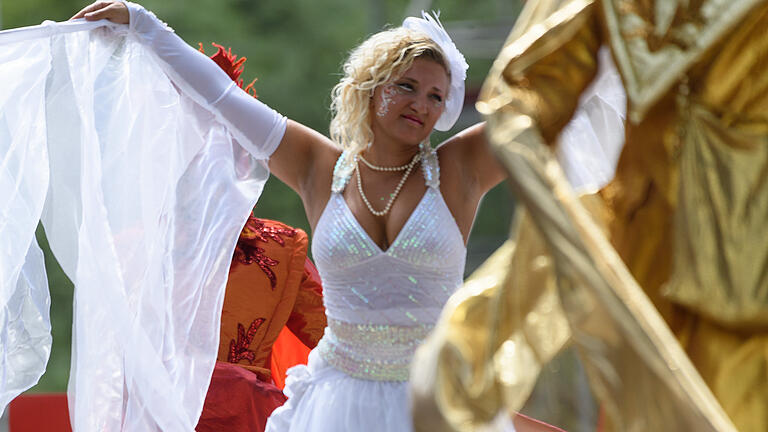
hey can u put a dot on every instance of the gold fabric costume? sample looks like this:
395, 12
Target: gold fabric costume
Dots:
686, 221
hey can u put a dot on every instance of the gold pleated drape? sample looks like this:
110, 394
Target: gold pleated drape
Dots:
692, 172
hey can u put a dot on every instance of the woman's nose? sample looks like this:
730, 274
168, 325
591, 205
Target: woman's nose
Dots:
419, 104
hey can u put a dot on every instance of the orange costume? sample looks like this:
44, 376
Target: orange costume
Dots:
273, 303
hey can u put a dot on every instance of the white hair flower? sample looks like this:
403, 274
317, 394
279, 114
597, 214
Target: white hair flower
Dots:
430, 25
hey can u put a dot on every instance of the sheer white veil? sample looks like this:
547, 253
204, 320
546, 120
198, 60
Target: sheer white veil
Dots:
590, 145
142, 193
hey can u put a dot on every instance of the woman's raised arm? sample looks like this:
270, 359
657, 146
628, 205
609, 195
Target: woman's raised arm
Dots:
257, 127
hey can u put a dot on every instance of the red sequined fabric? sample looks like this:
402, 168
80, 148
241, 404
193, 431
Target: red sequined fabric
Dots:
238, 349
247, 251
264, 233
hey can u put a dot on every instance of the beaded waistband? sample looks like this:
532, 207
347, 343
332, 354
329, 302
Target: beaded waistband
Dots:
371, 351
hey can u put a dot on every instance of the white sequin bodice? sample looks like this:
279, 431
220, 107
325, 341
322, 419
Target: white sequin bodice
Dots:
381, 304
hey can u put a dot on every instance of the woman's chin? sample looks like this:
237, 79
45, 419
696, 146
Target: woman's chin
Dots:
405, 136
413, 138
413, 142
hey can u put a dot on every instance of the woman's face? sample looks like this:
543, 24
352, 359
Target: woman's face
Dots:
407, 109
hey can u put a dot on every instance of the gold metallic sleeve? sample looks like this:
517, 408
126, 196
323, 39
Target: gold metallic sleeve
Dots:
560, 281
480, 334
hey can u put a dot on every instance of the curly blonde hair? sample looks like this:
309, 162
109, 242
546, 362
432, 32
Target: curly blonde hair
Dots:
381, 59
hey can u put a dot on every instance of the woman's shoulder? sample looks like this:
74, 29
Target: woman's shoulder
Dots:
464, 140
467, 158
458, 151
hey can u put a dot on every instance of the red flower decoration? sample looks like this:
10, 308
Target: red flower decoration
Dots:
231, 65
238, 350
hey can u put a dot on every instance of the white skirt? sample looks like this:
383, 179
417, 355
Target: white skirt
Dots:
323, 399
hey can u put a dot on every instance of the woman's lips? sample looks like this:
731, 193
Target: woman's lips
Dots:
414, 120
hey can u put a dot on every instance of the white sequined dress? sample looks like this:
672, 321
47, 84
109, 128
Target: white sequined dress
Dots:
380, 306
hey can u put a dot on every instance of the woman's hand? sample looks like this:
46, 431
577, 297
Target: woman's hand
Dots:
114, 11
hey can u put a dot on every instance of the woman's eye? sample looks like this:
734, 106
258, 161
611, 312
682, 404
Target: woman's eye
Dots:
405, 86
437, 98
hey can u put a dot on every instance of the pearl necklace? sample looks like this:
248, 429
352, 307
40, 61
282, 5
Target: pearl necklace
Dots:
408, 168
384, 168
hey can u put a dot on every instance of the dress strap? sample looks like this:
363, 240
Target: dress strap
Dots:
342, 171
430, 166
345, 166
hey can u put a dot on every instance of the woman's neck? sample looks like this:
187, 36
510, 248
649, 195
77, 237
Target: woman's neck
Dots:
389, 153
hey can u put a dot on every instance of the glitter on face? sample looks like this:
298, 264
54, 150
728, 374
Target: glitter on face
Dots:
387, 98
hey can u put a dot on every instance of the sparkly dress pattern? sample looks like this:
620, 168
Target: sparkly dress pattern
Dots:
380, 306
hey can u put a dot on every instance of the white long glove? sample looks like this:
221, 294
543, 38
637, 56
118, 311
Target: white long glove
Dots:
257, 127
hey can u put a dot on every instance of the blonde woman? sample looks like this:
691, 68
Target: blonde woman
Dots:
390, 215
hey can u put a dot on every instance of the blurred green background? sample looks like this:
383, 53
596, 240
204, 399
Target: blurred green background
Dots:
295, 48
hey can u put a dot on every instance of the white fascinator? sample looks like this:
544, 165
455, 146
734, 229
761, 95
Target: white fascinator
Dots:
430, 25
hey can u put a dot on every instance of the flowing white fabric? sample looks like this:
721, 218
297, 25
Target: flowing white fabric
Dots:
590, 145
25, 332
144, 193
